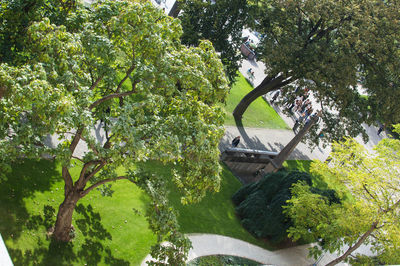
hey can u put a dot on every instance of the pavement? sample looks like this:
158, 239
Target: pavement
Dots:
211, 244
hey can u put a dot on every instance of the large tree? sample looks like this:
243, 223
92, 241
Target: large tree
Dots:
369, 187
123, 69
221, 22
331, 47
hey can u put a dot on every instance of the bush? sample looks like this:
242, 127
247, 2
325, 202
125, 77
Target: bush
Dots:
259, 205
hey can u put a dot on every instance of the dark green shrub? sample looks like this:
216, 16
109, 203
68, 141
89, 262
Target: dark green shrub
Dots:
259, 205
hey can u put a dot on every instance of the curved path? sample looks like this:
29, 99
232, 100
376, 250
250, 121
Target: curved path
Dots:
210, 244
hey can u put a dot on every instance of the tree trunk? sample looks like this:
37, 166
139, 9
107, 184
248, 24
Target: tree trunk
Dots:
357, 245
63, 226
268, 84
276, 163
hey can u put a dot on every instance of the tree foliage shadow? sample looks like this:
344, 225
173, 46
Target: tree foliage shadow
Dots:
25, 178
91, 251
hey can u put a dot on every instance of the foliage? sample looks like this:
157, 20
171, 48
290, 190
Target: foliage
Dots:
331, 47
259, 114
222, 260
221, 22
164, 107
369, 216
17, 16
260, 205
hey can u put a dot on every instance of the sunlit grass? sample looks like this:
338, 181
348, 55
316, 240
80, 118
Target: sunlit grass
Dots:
259, 114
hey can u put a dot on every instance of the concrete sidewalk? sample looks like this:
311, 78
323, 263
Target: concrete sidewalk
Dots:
210, 244
271, 140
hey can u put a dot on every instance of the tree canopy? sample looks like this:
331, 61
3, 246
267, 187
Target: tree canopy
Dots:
122, 69
17, 16
331, 47
368, 186
221, 22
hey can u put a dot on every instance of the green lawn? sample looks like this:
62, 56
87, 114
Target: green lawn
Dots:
259, 114
318, 181
108, 232
215, 214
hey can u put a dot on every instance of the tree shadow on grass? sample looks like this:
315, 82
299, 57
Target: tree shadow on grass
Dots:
89, 249
25, 178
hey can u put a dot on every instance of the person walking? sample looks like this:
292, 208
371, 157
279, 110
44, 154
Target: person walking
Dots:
276, 95
235, 141
380, 129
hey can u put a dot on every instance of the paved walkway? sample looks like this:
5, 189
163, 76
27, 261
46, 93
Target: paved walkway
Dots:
271, 140
210, 244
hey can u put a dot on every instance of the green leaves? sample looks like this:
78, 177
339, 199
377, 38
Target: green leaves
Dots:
368, 185
221, 23
335, 47
116, 89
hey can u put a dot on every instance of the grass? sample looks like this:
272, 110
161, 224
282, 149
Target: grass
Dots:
215, 214
108, 231
301, 165
305, 166
317, 180
259, 114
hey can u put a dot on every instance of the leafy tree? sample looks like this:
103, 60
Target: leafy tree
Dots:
221, 22
260, 205
330, 47
124, 70
15, 18
370, 211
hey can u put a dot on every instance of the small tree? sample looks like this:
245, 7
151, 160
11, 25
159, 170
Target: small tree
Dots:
122, 68
370, 210
260, 204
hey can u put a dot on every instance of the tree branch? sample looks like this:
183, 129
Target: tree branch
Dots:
76, 139
86, 191
313, 30
86, 166
96, 83
369, 193
74, 157
111, 96
67, 180
355, 246
107, 145
125, 78
95, 171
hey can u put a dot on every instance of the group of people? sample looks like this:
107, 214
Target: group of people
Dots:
301, 107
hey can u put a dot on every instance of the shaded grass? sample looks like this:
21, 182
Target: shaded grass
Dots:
259, 114
107, 230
